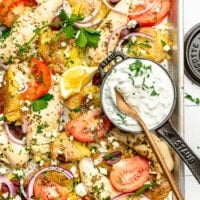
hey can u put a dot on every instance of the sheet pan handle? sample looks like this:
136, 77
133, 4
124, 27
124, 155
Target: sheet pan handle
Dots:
169, 133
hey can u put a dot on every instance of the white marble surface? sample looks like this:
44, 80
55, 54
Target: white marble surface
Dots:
192, 111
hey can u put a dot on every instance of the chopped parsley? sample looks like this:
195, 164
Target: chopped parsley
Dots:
4, 34
145, 187
77, 109
139, 68
163, 43
41, 103
40, 128
2, 118
122, 117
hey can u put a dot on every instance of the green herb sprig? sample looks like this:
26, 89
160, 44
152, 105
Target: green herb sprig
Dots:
42, 103
192, 99
84, 37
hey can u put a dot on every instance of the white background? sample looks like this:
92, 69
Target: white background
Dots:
192, 111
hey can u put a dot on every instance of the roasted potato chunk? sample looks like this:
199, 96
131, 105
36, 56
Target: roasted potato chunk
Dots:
12, 98
159, 192
69, 150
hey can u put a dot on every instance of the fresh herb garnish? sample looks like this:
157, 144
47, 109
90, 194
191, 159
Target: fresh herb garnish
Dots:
77, 109
139, 68
2, 118
84, 37
41, 127
145, 44
145, 187
163, 43
192, 99
122, 117
4, 34
41, 103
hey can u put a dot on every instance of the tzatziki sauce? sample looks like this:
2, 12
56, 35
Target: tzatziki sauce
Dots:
145, 86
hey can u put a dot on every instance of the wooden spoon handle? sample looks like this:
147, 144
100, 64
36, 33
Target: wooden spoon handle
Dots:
161, 161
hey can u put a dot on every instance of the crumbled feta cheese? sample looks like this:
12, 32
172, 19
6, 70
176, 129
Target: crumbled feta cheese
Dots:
115, 145
18, 172
66, 52
51, 191
59, 152
3, 170
41, 162
24, 109
80, 190
27, 102
54, 162
5, 195
157, 8
71, 138
63, 44
74, 171
91, 107
143, 51
90, 96
2, 73
17, 198
48, 134
54, 133
103, 170
166, 47
133, 39
103, 147
111, 139
94, 171
132, 24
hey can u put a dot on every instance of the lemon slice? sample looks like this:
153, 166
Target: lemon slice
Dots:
75, 78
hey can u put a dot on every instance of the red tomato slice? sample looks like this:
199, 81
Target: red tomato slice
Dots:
45, 190
40, 80
11, 9
155, 15
129, 174
88, 127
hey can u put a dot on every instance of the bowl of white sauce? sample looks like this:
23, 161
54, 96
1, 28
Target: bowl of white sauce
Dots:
145, 85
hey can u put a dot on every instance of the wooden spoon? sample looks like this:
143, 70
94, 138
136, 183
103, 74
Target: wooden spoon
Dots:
125, 108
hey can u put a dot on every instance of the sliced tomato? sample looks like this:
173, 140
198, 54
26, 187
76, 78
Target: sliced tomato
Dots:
46, 190
40, 80
129, 174
155, 15
11, 9
88, 127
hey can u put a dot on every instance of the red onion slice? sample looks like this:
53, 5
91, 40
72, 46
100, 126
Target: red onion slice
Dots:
149, 6
25, 87
117, 30
29, 190
90, 17
130, 35
87, 25
3, 66
25, 125
11, 187
11, 137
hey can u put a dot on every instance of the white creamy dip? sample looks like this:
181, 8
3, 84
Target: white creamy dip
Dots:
144, 86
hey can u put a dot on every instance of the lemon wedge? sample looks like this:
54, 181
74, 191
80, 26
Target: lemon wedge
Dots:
75, 78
